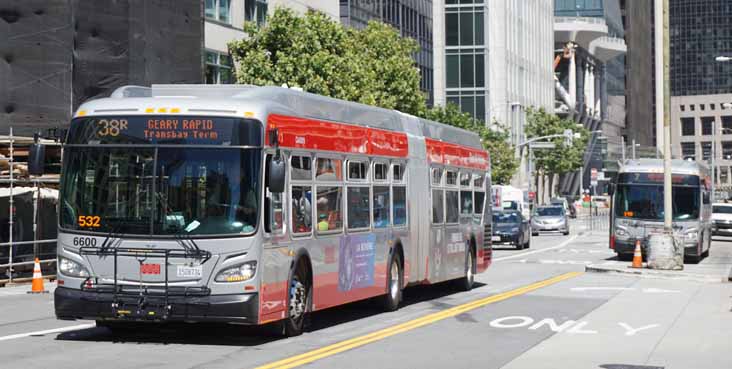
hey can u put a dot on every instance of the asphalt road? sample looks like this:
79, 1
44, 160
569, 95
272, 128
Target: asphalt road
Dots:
533, 308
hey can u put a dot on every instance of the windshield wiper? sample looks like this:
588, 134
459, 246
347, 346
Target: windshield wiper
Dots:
112, 233
190, 248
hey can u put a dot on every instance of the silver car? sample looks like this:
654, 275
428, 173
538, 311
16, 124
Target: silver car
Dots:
549, 219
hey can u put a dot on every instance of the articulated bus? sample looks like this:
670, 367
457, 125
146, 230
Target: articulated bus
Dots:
637, 206
252, 205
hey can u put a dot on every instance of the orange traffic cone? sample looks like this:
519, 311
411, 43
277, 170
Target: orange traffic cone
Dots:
37, 286
637, 256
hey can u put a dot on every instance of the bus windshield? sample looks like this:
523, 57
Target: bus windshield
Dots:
645, 202
160, 190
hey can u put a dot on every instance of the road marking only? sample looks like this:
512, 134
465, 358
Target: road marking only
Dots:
352, 343
48, 331
563, 244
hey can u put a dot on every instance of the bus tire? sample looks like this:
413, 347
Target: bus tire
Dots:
298, 301
394, 283
466, 283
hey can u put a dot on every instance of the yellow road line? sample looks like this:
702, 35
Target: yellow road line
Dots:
352, 343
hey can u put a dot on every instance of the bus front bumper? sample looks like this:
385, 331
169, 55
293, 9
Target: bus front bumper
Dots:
74, 304
628, 248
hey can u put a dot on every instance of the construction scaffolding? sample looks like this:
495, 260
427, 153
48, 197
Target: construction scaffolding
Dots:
27, 209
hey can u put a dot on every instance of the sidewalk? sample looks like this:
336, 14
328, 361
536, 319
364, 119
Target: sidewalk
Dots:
717, 267
656, 323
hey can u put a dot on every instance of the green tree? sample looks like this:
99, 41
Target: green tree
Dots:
373, 66
562, 158
503, 160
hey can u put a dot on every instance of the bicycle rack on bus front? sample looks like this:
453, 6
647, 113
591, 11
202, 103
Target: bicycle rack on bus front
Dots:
144, 302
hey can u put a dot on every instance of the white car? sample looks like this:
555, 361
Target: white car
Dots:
722, 219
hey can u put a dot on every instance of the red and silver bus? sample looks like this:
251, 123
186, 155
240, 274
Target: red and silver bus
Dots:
260, 204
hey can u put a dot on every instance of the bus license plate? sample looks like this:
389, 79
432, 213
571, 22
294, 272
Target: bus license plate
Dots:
184, 271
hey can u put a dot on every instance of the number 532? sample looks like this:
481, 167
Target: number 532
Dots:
89, 221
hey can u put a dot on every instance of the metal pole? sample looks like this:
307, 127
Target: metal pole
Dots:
714, 158
658, 14
634, 149
35, 218
622, 143
10, 213
528, 176
667, 196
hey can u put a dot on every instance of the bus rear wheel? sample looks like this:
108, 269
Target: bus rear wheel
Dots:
466, 283
298, 303
394, 282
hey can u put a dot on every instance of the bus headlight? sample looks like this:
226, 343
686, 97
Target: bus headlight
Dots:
691, 234
621, 233
239, 273
71, 268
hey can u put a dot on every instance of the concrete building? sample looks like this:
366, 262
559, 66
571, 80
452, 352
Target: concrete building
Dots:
413, 18
494, 58
590, 69
701, 125
224, 21
639, 67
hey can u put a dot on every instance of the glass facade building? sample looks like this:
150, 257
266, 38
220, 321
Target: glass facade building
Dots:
465, 49
701, 30
413, 18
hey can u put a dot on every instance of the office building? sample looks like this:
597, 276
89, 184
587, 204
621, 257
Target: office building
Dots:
224, 22
700, 126
413, 18
639, 68
590, 68
493, 60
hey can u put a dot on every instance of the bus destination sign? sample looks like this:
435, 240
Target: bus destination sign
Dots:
165, 130
196, 129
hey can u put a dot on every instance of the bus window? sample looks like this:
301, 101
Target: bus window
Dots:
329, 209
466, 203
357, 170
329, 170
478, 182
464, 179
436, 176
438, 206
381, 206
399, 205
452, 206
301, 209
358, 207
398, 173
451, 178
381, 171
301, 168
478, 203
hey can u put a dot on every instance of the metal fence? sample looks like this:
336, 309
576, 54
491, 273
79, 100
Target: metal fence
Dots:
596, 219
27, 219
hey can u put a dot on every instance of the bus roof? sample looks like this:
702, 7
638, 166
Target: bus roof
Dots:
678, 166
235, 100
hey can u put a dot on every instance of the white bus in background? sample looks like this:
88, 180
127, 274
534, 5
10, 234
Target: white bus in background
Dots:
511, 198
637, 209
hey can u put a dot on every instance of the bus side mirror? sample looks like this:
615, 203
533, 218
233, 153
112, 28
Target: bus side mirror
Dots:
611, 189
36, 159
276, 174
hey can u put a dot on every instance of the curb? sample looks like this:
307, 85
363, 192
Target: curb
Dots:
658, 274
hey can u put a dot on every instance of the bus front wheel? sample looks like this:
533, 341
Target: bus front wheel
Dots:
298, 302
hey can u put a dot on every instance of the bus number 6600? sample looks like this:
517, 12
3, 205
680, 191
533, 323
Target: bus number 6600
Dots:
85, 241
